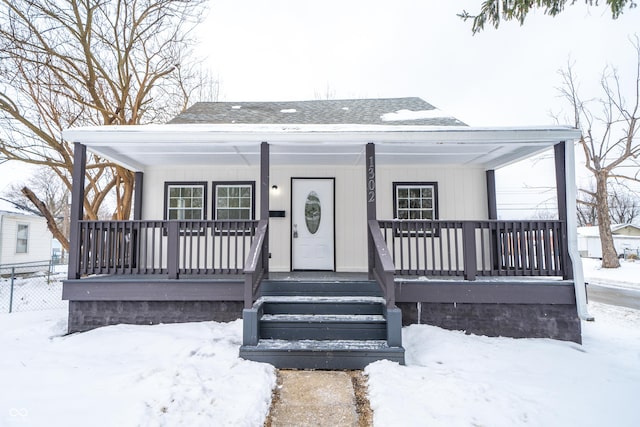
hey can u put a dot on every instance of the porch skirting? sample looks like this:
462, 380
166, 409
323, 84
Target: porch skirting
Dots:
556, 321
87, 315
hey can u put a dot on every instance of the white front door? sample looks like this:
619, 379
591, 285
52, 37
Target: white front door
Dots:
312, 224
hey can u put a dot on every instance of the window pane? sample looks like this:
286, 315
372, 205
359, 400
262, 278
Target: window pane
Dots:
174, 192
245, 214
234, 203
414, 192
223, 214
245, 203
427, 192
222, 191
403, 214
197, 192
23, 231
415, 203
403, 203
403, 192
234, 192
246, 192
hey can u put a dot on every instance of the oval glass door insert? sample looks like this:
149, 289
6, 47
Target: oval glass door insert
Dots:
312, 212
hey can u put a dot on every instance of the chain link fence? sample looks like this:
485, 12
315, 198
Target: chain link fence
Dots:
31, 286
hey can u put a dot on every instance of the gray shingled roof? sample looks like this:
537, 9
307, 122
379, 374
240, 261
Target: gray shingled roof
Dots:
345, 111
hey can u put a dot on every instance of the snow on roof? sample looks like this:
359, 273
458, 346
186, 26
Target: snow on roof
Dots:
593, 230
7, 207
403, 115
387, 112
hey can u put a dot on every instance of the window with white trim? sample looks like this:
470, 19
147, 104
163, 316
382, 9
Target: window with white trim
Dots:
233, 200
415, 200
22, 239
185, 201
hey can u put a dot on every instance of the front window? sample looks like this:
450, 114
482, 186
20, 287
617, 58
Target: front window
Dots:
233, 200
185, 201
415, 200
22, 240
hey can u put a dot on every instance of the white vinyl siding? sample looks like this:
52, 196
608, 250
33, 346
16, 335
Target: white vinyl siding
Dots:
461, 196
38, 243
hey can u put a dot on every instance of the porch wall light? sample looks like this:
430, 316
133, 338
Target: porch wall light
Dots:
274, 187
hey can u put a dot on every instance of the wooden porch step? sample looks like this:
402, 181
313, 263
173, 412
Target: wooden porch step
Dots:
321, 354
323, 305
342, 287
323, 326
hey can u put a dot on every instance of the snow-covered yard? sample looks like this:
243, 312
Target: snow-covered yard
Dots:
190, 374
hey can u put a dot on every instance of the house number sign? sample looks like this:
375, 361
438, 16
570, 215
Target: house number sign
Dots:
371, 179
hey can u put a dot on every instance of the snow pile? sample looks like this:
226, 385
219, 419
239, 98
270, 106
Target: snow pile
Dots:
627, 276
165, 375
402, 115
288, 110
452, 379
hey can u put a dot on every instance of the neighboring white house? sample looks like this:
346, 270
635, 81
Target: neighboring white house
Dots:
24, 236
625, 237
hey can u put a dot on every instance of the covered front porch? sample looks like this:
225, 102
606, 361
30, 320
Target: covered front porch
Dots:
174, 265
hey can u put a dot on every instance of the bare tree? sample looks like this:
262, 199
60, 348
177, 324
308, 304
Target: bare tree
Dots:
586, 209
609, 129
624, 206
91, 62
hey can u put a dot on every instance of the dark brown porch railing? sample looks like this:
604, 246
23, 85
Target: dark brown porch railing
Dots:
382, 268
476, 248
164, 247
257, 263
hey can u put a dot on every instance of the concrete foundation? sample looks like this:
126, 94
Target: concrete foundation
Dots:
557, 321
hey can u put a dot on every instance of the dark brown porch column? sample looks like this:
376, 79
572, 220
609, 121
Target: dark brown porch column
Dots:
370, 153
492, 203
561, 191
77, 209
264, 200
137, 202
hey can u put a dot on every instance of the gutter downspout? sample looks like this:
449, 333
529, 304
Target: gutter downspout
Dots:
572, 234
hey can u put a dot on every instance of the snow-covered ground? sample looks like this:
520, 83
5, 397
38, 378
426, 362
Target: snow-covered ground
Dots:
453, 379
190, 375
627, 276
164, 375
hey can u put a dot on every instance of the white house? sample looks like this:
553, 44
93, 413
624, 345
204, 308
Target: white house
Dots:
626, 237
24, 236
325, 224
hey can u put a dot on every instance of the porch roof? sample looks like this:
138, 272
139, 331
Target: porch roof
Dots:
143, 146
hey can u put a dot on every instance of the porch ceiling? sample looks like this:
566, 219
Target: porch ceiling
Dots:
139, 147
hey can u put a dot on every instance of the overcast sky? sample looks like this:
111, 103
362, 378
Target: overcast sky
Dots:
297, 50
293, 50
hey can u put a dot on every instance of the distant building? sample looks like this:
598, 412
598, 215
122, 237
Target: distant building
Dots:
24, 236
626, 237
